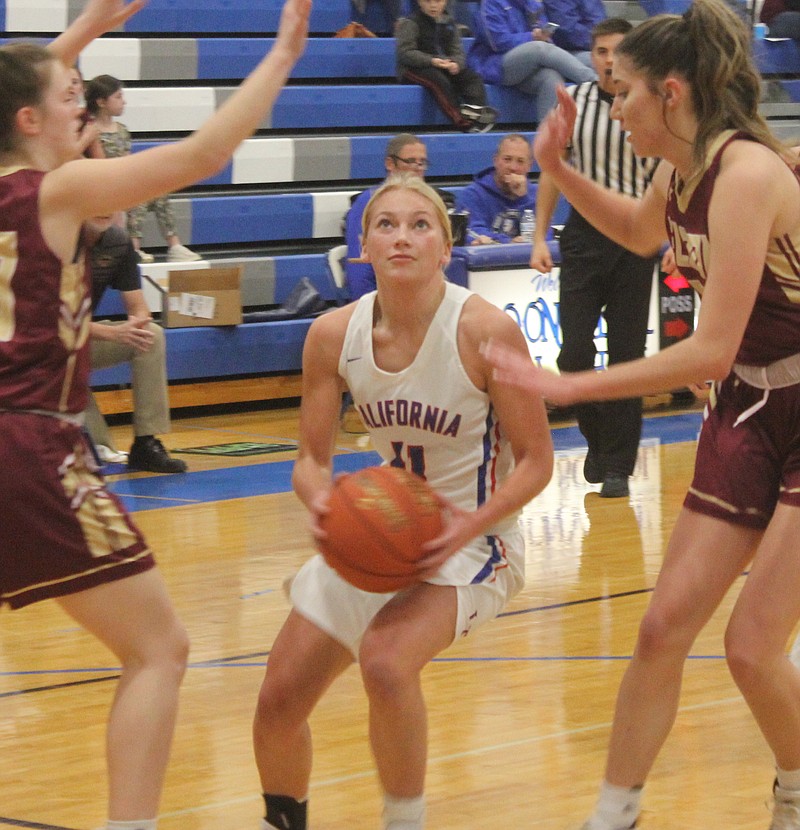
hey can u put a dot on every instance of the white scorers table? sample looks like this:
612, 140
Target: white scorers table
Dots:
501, 274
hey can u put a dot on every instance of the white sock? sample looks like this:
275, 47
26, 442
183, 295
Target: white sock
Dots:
142, 824
618, 807
403, 813
788, 779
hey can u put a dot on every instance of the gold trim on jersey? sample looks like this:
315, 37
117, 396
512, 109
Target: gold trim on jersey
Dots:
105, 528
7, 171
684, 189
8, 266
75, 316
783, 261
727, 506
116, 563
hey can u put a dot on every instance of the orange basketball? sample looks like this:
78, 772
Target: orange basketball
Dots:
379, 518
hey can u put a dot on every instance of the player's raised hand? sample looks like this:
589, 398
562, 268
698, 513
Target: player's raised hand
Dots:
293, 27
108, 14
555, 132
97, 18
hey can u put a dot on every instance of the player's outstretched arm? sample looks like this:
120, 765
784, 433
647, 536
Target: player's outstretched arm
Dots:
85, 188
97, 18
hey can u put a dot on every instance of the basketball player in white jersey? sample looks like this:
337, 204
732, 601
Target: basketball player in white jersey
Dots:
409, 353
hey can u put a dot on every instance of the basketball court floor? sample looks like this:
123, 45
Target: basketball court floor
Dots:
519, 712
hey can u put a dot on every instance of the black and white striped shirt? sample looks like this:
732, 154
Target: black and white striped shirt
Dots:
599, 149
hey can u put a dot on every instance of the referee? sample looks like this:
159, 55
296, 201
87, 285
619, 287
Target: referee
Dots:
598, 275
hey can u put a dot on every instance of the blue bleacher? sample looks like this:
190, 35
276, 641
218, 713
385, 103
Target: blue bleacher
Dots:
344, 158
232, 16
204, 352
323, 58
313, 107
777, 57
189, 16
223, 58
268, 217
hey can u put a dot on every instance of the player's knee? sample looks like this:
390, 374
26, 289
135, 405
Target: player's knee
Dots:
383, 674
659, 636
277, 702
176, 650
167, 654
748, 655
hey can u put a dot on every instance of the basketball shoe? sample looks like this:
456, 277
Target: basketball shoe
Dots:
786, 809
478, 119
148, 453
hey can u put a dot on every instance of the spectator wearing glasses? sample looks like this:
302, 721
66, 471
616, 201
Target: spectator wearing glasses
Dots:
499, 194
405, 153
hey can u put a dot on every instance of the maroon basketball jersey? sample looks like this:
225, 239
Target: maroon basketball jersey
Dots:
45, 308
773, 331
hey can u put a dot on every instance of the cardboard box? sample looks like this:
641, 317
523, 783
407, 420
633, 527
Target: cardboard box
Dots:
203, 297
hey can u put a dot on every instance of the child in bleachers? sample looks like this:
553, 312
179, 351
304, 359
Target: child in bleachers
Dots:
430, 53
105, 102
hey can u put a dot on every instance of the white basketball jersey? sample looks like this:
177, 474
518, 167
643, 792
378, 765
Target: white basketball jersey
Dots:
432, 420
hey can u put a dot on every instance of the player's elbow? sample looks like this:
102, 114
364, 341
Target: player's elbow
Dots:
718, 369
716, 359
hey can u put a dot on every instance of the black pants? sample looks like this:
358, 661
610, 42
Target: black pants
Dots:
599, 276
450, 91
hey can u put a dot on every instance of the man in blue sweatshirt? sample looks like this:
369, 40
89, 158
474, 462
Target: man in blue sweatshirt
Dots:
498, 195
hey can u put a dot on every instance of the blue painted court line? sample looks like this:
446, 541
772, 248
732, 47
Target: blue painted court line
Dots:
218, 485
204, 486
668, 429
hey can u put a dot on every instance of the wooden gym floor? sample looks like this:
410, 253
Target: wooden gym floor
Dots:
519, 713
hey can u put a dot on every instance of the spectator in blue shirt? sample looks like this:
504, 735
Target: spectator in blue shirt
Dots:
575, 19
513, 47
498, 195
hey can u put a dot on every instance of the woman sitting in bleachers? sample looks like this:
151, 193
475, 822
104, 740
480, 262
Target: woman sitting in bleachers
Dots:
513, 47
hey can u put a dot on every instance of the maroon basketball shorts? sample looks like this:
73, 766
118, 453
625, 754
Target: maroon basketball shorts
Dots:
744, 469
61, 531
